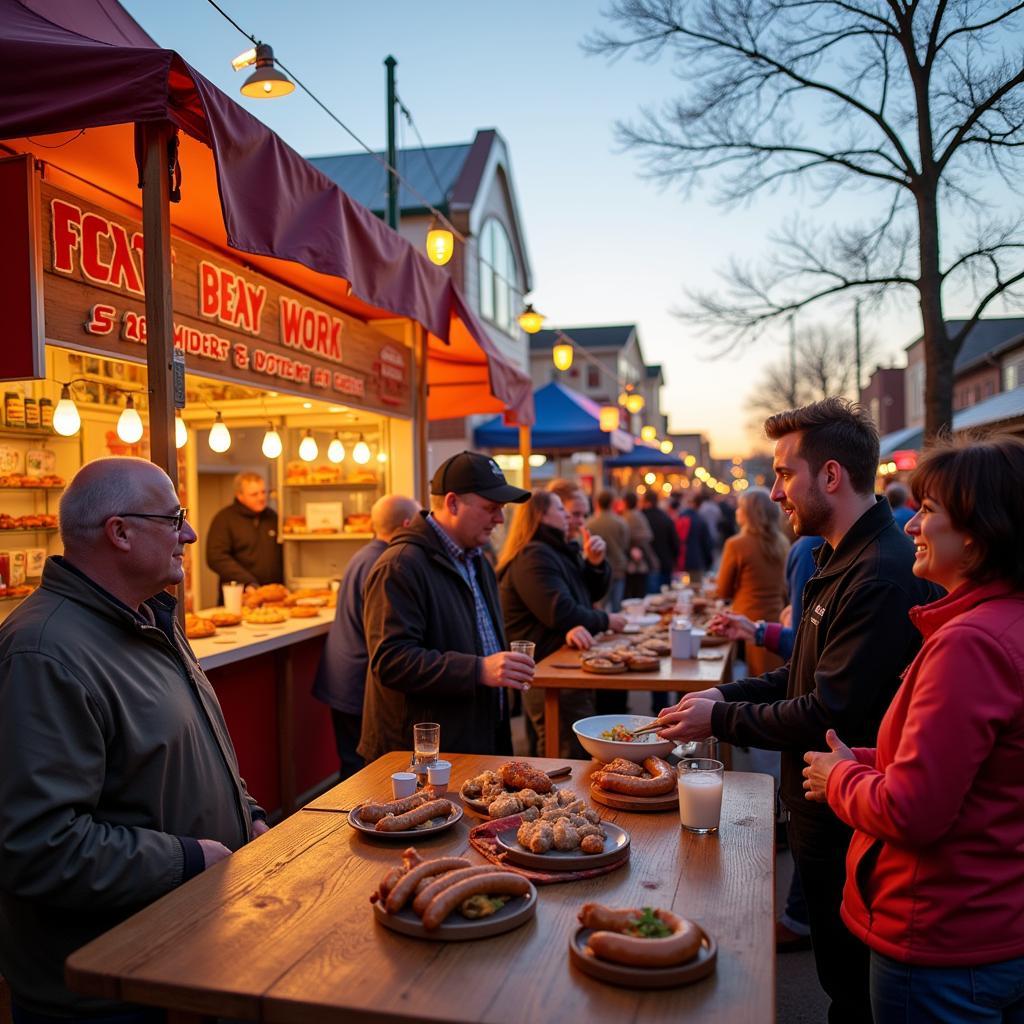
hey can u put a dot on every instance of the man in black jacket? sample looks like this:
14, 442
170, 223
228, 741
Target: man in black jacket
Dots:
434, 630
665, 541
241, 543
853, 642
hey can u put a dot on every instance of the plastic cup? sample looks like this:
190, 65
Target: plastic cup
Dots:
700, 794
526, 647
438, 776
403, 784
696, 636
680, 638
233, 597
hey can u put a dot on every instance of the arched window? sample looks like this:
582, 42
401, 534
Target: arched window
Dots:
498, 292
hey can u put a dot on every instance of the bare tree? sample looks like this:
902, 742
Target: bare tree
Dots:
915, 100
825, 364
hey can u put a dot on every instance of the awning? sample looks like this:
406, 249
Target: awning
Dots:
997, 409
566, 420
906, 438
76, 78
644, 455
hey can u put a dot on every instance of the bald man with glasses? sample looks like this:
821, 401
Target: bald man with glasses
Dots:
118, 779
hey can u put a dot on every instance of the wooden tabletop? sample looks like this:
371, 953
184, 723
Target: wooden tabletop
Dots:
282, 931
562, 671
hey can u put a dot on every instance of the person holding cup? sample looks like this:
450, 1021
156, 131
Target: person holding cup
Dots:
547, 597
935, 871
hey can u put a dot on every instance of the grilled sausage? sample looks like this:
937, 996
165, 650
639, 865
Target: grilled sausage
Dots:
417, 816
493, 883
662, 780
372, 813
406, 885
608, 942
437, 885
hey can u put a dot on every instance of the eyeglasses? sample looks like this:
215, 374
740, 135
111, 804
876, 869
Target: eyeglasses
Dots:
178, 518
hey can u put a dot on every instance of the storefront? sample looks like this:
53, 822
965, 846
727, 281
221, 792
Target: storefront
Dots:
264, 302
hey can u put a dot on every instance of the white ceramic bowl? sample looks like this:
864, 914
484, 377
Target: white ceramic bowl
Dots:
588, 732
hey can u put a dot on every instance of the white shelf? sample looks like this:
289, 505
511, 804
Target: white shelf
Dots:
327, 536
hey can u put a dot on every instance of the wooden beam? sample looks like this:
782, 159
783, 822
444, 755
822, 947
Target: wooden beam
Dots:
156, 228
524, 451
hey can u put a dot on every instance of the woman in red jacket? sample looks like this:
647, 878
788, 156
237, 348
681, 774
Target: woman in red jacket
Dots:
935, 869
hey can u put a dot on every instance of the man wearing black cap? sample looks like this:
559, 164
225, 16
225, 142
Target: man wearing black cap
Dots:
433, 622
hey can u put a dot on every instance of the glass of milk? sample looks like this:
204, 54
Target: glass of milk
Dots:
700, 794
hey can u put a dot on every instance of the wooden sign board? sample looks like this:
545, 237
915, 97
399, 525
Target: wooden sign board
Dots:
230, 322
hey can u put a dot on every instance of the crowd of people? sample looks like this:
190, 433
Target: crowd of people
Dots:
884, 661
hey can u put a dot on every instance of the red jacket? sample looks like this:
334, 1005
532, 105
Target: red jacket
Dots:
935, 869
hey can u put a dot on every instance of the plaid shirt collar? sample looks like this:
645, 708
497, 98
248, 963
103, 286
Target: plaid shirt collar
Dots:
459, 554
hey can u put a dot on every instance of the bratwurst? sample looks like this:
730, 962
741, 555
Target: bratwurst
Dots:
492, 883
372, 813
619, 936
417, 816
662, 780
404, 888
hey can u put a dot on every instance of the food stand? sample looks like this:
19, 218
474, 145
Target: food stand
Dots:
244, 287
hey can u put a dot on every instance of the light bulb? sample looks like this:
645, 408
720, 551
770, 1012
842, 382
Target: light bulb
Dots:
382, 456
530, 320
336, 450
180, 433
129, 423
609, 418
272, 446
440, 244
648, 433
361, 452
667, 446
635, 402
561, 354
220, 436
66, 420
308, 449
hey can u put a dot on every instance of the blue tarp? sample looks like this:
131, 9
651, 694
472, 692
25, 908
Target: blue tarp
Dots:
565, 419
641, 455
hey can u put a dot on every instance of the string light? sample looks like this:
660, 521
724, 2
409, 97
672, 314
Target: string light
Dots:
220, 437
635, 402
266, 82
272, 443
66, 419
648, 433
666, 447
361, 452
336, 450
609, 418
440, 245
308, 449
561, 354
180, 433
530, 320
129, 423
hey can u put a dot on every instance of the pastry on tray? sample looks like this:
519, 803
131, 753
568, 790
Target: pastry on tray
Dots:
264, 616
198, 628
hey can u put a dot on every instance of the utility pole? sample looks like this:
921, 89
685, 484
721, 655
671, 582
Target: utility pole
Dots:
390, 63
856, 347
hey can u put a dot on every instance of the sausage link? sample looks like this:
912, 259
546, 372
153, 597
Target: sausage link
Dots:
679, 947
406, 885
417, 816
494, 883
372, 813
437, 885
662, 780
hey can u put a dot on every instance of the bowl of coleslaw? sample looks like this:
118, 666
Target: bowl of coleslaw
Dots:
607, 737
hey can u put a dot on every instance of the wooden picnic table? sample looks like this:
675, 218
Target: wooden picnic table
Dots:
561, 671
282, 931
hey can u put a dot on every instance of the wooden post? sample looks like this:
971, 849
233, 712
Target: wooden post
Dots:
420, 422
524, 451
156, 228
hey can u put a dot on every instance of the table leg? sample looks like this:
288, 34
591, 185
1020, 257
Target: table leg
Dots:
551, 723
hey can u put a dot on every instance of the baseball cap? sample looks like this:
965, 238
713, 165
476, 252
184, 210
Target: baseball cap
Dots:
474, 473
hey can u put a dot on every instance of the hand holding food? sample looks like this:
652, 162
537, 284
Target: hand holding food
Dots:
640, 937
594, 548
691, 722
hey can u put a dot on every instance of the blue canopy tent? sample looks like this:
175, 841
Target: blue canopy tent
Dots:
565, 420
642, 455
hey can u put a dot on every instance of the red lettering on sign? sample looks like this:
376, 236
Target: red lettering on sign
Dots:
207, 289
230, 298
241, 355
348, 385
101, 319
93, 229
310, 329
133, 327
123, 271
65, 227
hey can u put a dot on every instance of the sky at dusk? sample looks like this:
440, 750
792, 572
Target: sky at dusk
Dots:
606, 245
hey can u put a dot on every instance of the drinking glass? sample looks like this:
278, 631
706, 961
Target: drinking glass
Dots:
233, 597
426, 742
526, 647
700, 794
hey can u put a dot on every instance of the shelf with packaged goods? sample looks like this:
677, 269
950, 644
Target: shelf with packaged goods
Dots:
29, 489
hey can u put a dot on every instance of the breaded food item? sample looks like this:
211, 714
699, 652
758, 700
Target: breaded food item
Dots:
520, 775
225, 618
198, 628
302, 612
623, 767
264, 616
566, 836
592, 843
504, 805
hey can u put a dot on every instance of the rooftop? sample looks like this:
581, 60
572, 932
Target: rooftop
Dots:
604, 336
987, 338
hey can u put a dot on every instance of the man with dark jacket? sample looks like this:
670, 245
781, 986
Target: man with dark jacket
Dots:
341, 676
433, 623
699, 553
118, 780
241, 543
665, 541
853, 642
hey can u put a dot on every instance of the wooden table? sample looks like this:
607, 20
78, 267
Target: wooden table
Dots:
282, 931
561, 671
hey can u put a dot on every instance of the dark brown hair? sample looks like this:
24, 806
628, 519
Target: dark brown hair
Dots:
979, 481
836, 429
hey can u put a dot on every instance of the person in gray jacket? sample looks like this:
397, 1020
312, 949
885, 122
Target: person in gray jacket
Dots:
118, 779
